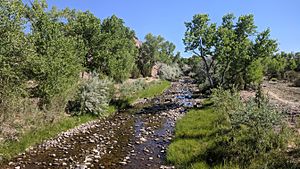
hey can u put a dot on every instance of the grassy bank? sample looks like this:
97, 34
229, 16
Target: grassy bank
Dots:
30, 138
153, 90
206, 139
192, 138
10, 149
195, 136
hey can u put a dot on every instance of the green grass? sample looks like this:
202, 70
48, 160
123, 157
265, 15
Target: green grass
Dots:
195, 135
185, 151
10, 149
196, 124
151, 91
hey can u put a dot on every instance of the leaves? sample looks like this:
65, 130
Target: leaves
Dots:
228, 50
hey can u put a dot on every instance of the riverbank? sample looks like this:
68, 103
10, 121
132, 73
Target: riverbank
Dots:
133, 138
12, 148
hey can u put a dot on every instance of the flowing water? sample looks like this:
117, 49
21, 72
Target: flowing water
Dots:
134, 138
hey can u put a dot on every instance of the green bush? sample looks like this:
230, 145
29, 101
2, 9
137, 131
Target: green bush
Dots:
128, 88
251, 128
255, 72
169, 72
226, 100
135, 72
93, 97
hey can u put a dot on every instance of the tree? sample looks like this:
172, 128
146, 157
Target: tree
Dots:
57, 61
227, 50
86, 27
117, 50
14, 48
200, 39
154, 49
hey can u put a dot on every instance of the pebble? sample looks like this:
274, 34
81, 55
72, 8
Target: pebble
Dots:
123, 163
143, 139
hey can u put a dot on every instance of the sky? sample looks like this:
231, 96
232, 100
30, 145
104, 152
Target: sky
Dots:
167, 17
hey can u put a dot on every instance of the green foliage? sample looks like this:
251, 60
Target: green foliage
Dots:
131, 91
87, 28
94, 96
128, 88
135, 72
117, 50
56, 64
276, 66
255, 72
154, 49
228, 50
251, 127
169, 72
226, 100
14, 48
231, 134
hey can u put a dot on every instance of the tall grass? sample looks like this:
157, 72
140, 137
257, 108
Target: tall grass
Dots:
230, 134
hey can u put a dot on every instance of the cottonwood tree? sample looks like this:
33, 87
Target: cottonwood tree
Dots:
227, 50
117, 51
154, 49
14, 48
87, 28
57, 61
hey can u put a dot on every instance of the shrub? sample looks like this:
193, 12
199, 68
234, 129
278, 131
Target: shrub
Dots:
93, 97
255, 72
169, 72
226, 100
135, 72
251, 128
128, 88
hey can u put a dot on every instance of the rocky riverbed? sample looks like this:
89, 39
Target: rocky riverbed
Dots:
134, 138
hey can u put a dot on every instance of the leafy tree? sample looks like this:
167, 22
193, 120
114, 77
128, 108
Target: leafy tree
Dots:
200, 39
154, 49
87, 27
57, 61
145, 60
276, 66
117, 50
14, 48
227, 50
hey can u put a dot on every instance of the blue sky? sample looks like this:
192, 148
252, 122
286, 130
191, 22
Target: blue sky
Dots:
167, 17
